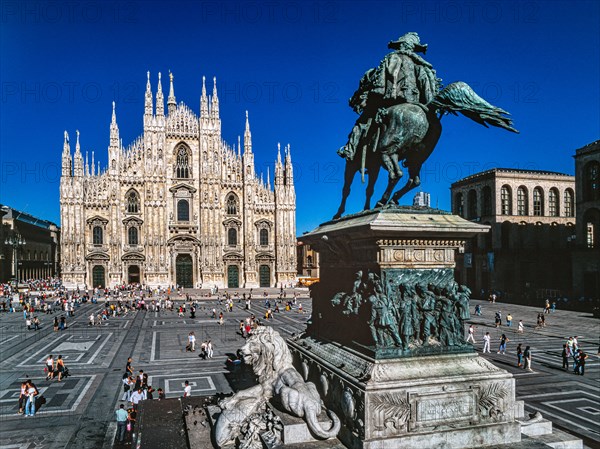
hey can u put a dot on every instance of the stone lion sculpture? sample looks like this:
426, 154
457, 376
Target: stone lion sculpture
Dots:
271, 361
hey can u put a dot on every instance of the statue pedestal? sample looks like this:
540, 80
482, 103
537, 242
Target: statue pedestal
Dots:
385, 343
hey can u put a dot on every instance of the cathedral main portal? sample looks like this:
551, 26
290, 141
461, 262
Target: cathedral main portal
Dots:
184, 271
133, 274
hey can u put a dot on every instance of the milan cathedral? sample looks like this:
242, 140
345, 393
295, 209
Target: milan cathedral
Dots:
178, 206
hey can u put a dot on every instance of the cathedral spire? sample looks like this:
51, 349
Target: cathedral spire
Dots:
78, 158
93, 165
148, 98
66, 157
289, 170
171, 103
160, 99
239, 148
114, 129
87, 165
279, 175
204, 100
247, 136
215, 99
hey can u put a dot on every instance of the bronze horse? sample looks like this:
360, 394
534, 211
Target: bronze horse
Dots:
408, 134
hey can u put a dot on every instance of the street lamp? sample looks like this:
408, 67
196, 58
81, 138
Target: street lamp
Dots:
16, 241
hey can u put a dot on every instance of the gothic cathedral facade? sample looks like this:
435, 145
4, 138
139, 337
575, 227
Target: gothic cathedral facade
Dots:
178, 206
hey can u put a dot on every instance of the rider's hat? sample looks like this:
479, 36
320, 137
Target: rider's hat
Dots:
410, 40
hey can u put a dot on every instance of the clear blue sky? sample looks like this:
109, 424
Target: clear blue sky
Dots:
293, 65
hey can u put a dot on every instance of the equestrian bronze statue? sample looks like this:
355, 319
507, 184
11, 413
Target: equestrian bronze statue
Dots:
400, 104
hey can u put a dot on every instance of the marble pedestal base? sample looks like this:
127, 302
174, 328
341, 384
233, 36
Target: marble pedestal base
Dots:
438, 401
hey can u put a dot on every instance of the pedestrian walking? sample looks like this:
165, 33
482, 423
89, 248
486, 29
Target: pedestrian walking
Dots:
486, 342
471, 336
503, 340
580, 368
521, 328
209, 349
527, 356
478, 310
187, 391
60, 367
509, 320
121, 416
565, 357
498, 318
49, 367
519, 355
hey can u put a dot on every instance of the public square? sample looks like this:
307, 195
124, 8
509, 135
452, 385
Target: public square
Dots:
79, 412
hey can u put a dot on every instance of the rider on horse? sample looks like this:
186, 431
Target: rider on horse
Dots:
402, 77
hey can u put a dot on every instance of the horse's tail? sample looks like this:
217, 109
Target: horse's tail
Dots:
459, 97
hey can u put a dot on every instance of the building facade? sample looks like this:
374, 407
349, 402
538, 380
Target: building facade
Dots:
178, 206
422, 199
29, 246
527, 252
586, 257
308, 262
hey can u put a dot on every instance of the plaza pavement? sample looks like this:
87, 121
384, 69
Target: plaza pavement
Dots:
79, 412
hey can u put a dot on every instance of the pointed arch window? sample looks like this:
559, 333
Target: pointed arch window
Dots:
133, 202
232, 204
538, 202
569, 203
182, 165
97, 235
183, 210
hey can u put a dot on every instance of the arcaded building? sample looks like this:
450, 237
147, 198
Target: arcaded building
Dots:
177, 206
532, 217
586, 257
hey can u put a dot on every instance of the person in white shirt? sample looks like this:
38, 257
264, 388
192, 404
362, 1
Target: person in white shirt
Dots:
486, 342
209, 349
136, 397
50, 367
192, 341
187, 391
471, 336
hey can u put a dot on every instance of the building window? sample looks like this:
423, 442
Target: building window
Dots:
591, 181
97, 235
264, 237
309, 261
182, 166
472, 204
232, 237
569, 205
132, 235
487, 201
589, 230
183, 210
505, 201
133, 202
553, 203
232, 204
522, 201
538, 202
459, 204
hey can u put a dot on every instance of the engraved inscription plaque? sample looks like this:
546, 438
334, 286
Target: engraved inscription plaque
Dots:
436, 409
